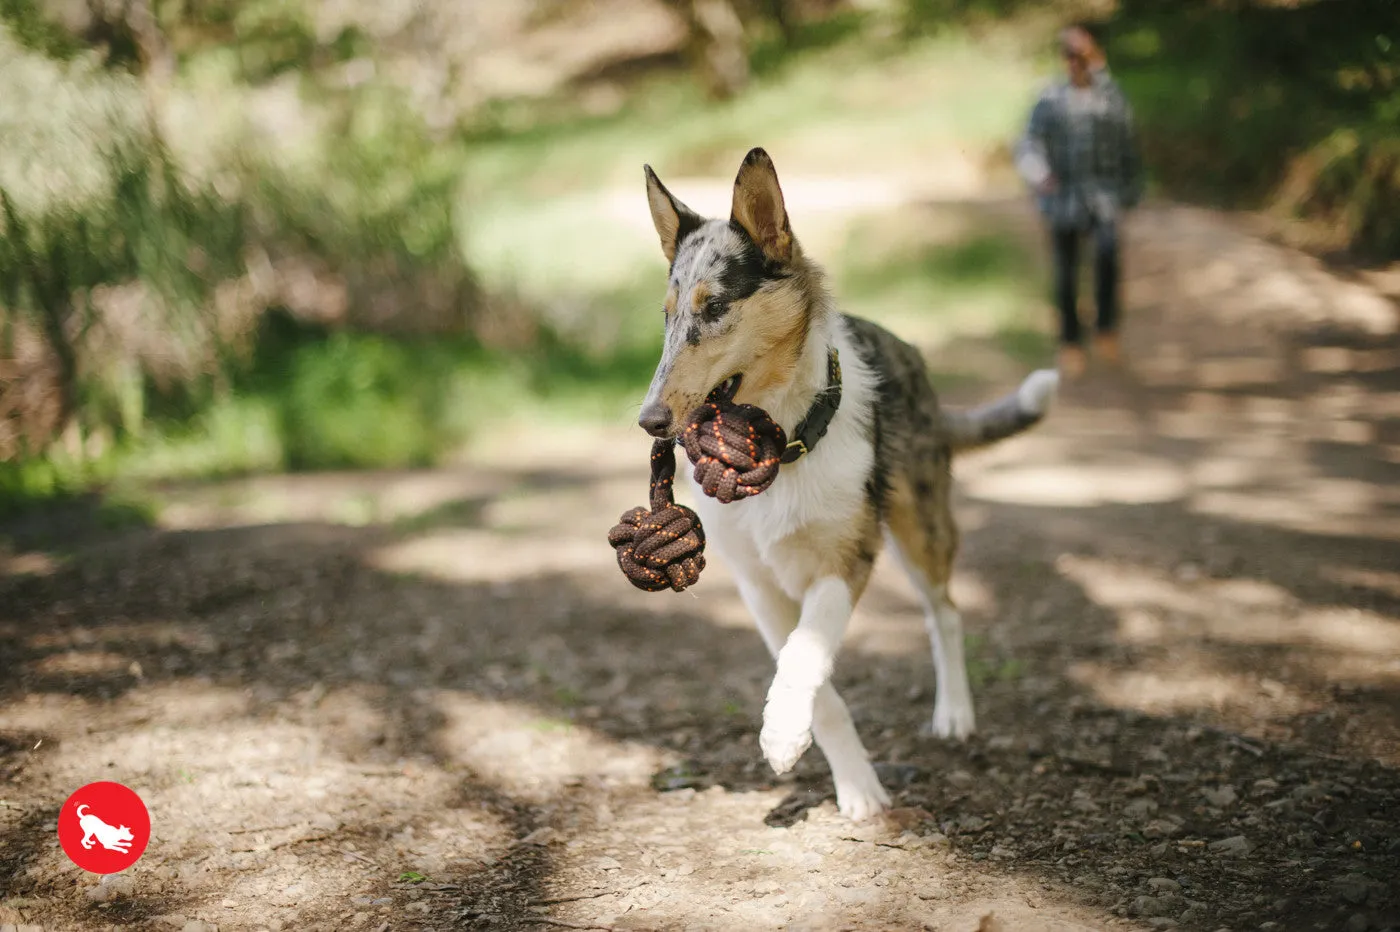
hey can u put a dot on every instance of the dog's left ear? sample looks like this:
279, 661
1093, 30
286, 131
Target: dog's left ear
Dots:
758, 207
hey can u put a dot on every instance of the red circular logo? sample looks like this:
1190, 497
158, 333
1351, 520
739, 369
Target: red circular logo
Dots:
104, 828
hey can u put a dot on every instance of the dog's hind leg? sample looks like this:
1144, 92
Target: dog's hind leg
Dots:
925, 540
859, 794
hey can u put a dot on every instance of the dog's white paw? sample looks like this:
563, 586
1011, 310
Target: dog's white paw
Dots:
787, 731
861, 798
954, 720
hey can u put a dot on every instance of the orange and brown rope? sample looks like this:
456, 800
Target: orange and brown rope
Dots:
737, 450
664, 546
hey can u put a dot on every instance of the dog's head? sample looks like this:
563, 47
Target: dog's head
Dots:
736, 302
123, 833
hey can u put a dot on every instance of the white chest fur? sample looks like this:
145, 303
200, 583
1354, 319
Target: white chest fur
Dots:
794, 527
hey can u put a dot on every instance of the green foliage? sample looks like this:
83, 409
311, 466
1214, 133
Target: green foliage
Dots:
31, 28
769, 54
979, 261
1351, 180
35, 480
149, 227
274, 37
312, 399
379, 198
930, 17
1240, 102
360, 400
145, 281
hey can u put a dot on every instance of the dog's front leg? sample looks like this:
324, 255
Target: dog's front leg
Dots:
859, 794
804, 667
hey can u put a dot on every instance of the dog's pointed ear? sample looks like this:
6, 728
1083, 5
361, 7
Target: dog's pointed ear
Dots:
672, 219
758, 207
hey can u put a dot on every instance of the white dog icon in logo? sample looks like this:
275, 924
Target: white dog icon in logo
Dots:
113, 838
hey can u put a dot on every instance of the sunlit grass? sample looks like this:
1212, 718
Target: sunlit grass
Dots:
933, 283
541, 215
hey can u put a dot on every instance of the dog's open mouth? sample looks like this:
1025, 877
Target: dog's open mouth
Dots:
727, 389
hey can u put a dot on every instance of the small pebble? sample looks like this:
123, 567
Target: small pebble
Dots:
111, 887
1141, 808
1220, 796
1236, 846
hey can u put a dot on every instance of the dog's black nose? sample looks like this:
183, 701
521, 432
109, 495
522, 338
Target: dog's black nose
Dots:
655, 419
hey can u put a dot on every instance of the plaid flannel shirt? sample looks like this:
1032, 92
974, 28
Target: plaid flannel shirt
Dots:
1088, 144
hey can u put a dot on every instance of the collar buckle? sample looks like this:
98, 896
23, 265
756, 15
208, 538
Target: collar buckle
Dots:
819, 416
794, 451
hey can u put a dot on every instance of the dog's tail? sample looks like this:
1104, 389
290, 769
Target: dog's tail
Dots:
81, 807
1005, 417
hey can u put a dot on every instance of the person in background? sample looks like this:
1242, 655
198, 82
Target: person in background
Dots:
1079, 155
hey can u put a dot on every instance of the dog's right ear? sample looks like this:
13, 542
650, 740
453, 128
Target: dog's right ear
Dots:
672, 219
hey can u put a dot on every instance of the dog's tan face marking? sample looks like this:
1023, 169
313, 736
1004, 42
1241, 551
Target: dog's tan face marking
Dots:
698, 296
736, 301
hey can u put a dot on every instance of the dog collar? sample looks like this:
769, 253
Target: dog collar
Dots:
814, 424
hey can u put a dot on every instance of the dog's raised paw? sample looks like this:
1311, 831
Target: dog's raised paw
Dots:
783, 749
787, 728
786, 735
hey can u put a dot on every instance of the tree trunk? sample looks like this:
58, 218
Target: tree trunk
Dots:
717, 46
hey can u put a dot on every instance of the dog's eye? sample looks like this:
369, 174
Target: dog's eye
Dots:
714, 309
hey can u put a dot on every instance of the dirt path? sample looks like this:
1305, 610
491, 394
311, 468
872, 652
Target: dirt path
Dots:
1183, 595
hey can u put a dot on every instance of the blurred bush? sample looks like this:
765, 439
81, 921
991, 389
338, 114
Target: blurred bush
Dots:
1290, 105
150, 217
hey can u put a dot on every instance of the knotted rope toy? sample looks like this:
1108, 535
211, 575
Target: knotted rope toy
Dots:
736, 450
663, 547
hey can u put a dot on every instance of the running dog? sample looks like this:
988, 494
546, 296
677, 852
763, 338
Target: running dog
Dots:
873, 454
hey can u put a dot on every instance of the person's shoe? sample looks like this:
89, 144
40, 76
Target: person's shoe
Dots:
1071, 361
1107, 348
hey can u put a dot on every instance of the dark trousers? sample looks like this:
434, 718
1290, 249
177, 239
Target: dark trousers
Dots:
1065, 244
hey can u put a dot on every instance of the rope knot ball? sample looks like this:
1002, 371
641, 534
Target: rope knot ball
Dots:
664, 546
736, 449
